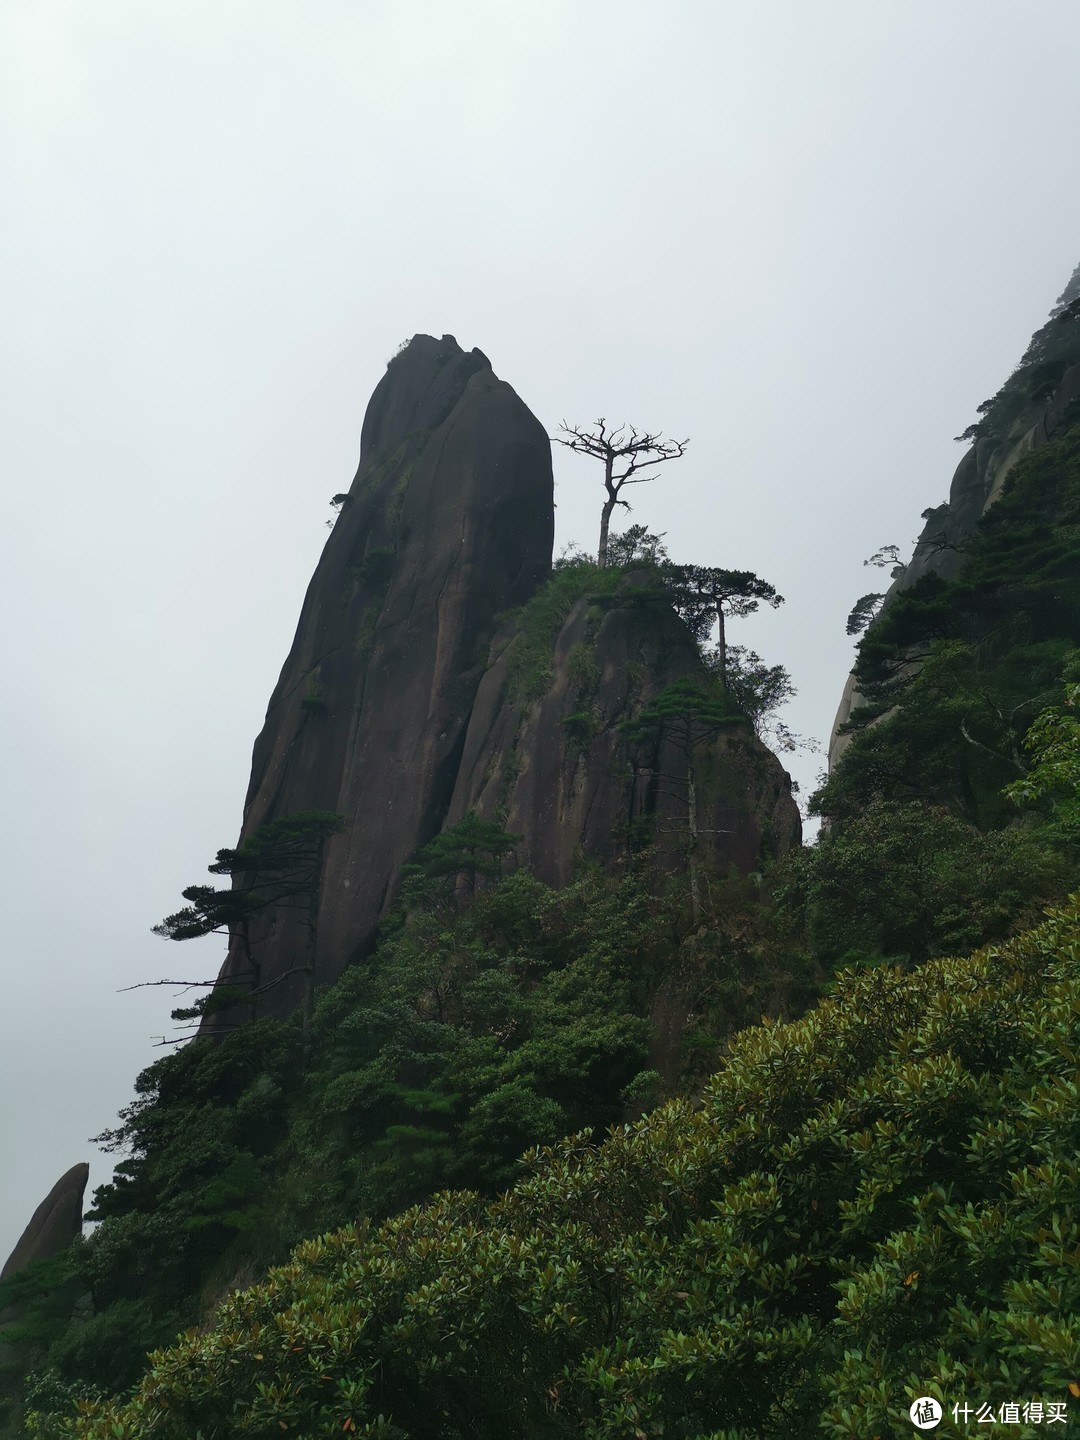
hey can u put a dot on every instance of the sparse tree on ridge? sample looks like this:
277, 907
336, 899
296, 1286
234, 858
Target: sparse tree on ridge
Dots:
863, 611
636, 545
759, 691
639, 451
887, 557
703, 595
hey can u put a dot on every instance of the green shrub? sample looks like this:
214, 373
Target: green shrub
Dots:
911, 881
873, 1203
990, 649
484, 1025
541, 619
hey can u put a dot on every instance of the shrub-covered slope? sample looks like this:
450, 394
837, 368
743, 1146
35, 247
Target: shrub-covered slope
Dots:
876, 1202
955, 671
924, 853
486, 1023
497, 1012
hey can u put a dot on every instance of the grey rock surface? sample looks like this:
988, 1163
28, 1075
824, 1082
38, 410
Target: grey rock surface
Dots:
396, 708
561, 773
54, 1224
977, 482
448, 523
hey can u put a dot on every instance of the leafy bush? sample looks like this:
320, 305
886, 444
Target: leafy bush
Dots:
872, 1203
911, 881
541, 619
1054, 778
486, 1023
876, 1202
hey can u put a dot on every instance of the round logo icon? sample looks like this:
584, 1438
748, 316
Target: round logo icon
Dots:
925, 1412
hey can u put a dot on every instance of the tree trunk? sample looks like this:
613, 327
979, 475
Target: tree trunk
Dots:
721, 648
605, 522
307, 1014
606, 512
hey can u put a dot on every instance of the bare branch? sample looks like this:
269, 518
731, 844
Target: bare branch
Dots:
642, 450
186, 984
669, 450
938, 544
295, 970
1008, 760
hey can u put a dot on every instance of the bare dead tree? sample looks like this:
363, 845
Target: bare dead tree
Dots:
640, 451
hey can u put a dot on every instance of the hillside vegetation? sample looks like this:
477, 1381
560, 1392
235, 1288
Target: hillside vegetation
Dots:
486, 1023
876, 1202
956, 670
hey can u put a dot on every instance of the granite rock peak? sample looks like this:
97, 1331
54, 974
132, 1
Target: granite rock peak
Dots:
398, 709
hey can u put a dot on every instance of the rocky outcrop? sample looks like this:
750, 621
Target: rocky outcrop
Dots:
54, 1224
557, 769
549, 756
401, 705
976, 484
448, 523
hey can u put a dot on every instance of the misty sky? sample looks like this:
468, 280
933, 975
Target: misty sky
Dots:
810, 236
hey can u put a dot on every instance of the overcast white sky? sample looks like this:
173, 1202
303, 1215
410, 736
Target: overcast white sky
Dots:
811, 236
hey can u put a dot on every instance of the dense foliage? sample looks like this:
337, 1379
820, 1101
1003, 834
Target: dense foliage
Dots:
1053, 743
871, 1203
877, 1202
490, 1020
955, 671
906, 882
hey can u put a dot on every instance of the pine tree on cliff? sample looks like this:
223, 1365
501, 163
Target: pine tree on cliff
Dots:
704, 595
639, 451
281, 864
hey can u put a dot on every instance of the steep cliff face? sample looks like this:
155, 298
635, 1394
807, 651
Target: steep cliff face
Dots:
1036, 406
552, 761
558, 769
53, 1225
402, 704
448, 523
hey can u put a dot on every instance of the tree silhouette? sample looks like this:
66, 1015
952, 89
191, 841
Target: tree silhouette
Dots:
640, 451
863, 611
280, 864
704, 595
887, 557
636, 545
